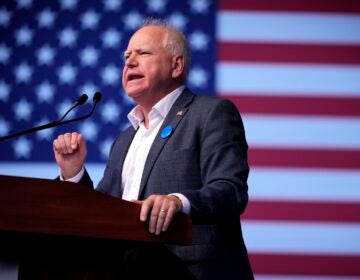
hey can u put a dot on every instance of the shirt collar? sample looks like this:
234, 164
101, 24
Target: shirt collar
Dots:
162, 107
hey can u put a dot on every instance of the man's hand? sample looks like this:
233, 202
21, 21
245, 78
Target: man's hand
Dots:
160, 210
70, 152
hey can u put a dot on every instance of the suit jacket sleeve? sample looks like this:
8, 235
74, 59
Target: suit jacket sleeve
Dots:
86, 180
223, 164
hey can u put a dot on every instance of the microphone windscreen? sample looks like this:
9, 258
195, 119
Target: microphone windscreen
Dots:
82, 99
97, 97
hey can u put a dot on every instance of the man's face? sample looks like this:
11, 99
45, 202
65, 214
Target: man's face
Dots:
148, 65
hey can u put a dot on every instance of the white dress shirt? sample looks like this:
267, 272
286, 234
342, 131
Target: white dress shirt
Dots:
140, 146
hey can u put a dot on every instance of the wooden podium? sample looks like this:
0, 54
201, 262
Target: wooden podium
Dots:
62, 230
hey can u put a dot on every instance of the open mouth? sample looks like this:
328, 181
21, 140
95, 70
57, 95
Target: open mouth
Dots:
132, 77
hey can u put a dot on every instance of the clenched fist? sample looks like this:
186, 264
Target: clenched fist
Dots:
70, 153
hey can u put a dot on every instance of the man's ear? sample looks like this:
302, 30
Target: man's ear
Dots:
178, 66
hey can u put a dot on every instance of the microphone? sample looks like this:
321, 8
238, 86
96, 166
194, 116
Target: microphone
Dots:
97, 97
80, 101
96, 100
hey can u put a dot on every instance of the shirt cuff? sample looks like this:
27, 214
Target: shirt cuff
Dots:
76, 178
186, 209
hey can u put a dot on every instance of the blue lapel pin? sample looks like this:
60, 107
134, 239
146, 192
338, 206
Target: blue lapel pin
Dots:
166, 132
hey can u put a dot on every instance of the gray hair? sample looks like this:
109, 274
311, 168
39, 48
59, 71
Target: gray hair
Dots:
175, 40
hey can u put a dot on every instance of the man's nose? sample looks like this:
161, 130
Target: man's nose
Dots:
131, 61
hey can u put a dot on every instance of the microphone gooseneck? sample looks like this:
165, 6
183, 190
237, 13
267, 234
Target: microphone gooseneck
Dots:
80, 101
96, 100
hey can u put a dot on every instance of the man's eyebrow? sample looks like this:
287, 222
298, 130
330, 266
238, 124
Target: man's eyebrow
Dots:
138, 50
126, 53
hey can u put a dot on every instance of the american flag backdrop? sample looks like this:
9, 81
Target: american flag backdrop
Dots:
291, 67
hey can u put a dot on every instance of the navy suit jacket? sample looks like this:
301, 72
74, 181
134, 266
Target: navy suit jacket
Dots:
205, 158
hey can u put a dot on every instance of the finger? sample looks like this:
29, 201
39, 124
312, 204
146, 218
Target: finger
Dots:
162, 216
166, 213
169, 217
155, 215
145, 209
61, 147
75, 140
56, 145
67, 143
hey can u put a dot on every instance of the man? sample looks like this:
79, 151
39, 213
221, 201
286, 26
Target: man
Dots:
182, 153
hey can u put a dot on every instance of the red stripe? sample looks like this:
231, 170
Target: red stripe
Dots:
305, 105
302, 211
280, 264
303, 53
350, 6
308, 158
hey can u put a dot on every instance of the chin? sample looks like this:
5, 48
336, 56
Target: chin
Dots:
134, 93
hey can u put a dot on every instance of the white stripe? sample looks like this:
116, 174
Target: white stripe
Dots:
288, 27
302, 131
302, 238
308, 277
304, 184
264, 183
45, 170
288, 79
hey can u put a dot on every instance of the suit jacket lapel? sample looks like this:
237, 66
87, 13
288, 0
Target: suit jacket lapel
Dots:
173, 118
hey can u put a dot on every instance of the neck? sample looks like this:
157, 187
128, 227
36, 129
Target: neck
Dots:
148, 101
146, 116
